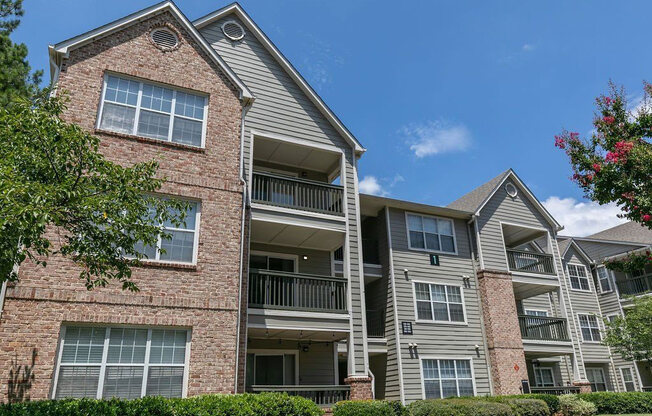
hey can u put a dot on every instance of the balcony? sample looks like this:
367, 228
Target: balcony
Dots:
376, 323
635, 286
530, 262
324, 396
543, 328
299, 292
300, 194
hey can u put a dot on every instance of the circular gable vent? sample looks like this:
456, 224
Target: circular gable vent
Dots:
233, 30
164, 38
511, 190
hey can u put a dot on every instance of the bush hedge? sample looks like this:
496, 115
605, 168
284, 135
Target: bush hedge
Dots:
265, 404
459, 407
369, 408
572, 405
620, 403
551, 400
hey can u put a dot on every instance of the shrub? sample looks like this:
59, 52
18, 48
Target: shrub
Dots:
365, 408
266, 404
521, 406
620, 403
572, 405
551, 400
460, 407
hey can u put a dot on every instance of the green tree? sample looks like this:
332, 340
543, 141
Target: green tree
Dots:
631, 335
16, 77
60, 195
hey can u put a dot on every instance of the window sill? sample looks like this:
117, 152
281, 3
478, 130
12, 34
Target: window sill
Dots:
151, 141
454, 323
154, 264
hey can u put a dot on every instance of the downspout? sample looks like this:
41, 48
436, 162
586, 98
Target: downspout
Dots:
3, 293
477, 285
245, 195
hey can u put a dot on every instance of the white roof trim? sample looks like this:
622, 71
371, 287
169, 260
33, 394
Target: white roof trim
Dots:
579, 250
285, 64
63, 48
597, 240
531, 196
615, 256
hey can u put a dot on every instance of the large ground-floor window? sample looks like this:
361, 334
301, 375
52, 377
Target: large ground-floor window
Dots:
128, 363
447, 377
596, 377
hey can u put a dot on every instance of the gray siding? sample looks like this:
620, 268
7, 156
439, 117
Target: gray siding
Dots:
434, 339
599, 250
319, 262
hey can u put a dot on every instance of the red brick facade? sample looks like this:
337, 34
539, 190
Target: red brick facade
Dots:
504, 340
360, 388
203, 298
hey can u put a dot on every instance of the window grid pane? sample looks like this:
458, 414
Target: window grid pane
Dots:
439, 302
430, 233
445, 378
589, 327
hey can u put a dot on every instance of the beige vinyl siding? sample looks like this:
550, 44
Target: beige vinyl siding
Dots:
436, 339
319, 262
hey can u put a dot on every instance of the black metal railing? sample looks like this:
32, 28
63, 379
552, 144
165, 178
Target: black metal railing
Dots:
324, 396
376, 323
635, 286
557, 390
296, 193
527, 261
647, 388
543, 328
279, 290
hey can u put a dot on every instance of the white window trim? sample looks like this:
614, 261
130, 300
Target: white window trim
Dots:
438, 357
622, 377
293, 257
426, 250
525, 311
433, 321
103, 364
540, 369
609, 279
597, 320
586, 272
609, 315
172, 115
604, 377
273, 352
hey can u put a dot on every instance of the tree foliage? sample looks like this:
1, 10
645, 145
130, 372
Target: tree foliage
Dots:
16, 76
60, 195
631, 335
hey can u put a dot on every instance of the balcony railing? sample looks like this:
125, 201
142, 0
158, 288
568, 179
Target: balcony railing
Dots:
558, 391
635, 286
527, 261
324, 396
543, 328
295, 193
279, 290
376, 323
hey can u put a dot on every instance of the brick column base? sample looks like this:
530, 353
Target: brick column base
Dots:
360, 387
584, 385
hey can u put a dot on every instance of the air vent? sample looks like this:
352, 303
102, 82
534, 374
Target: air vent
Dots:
233, 30
511, 189
164, 38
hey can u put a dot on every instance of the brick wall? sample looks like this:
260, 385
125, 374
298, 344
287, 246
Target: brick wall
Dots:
204, 297
504, 340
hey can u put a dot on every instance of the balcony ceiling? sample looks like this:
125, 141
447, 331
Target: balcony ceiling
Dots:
296, 334
295, 235
523, 290
289, 154
515, 235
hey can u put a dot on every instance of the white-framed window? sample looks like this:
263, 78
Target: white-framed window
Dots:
544, 377
430, 233
627, 375
596, 377
447, 377
272, 368
536, 312
604, 279
579, 279
612, 316
589, 327
128, 363
141, 108
182, 246
439, 303
273, 261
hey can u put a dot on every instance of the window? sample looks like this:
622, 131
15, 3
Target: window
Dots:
612, 317
276, 262
603, 279
439, 303
127, 363
596, 378
142, 109
446, 378
272, 369
628, 379
543, 377
430, 233
578, 277
536, 312
181, 247
590, 328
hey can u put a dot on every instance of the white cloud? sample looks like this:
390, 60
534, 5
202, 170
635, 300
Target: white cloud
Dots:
528, 47
370, 185
436, 137
583, 218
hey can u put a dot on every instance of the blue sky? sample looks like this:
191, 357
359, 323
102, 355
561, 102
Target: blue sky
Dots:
444, 94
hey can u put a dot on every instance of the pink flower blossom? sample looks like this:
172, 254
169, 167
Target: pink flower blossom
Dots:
597, 167
647, 217
608, 100
574, 136
620, 152
560, 142
608, 119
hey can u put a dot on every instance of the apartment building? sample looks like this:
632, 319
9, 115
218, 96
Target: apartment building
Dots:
285, 277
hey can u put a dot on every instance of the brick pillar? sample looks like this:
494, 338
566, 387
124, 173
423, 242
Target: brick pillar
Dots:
360, 387
584, 385
504, 341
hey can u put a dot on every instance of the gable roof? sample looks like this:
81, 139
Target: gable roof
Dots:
565, 245
61, 49
236, 9
630, 231
475, 200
